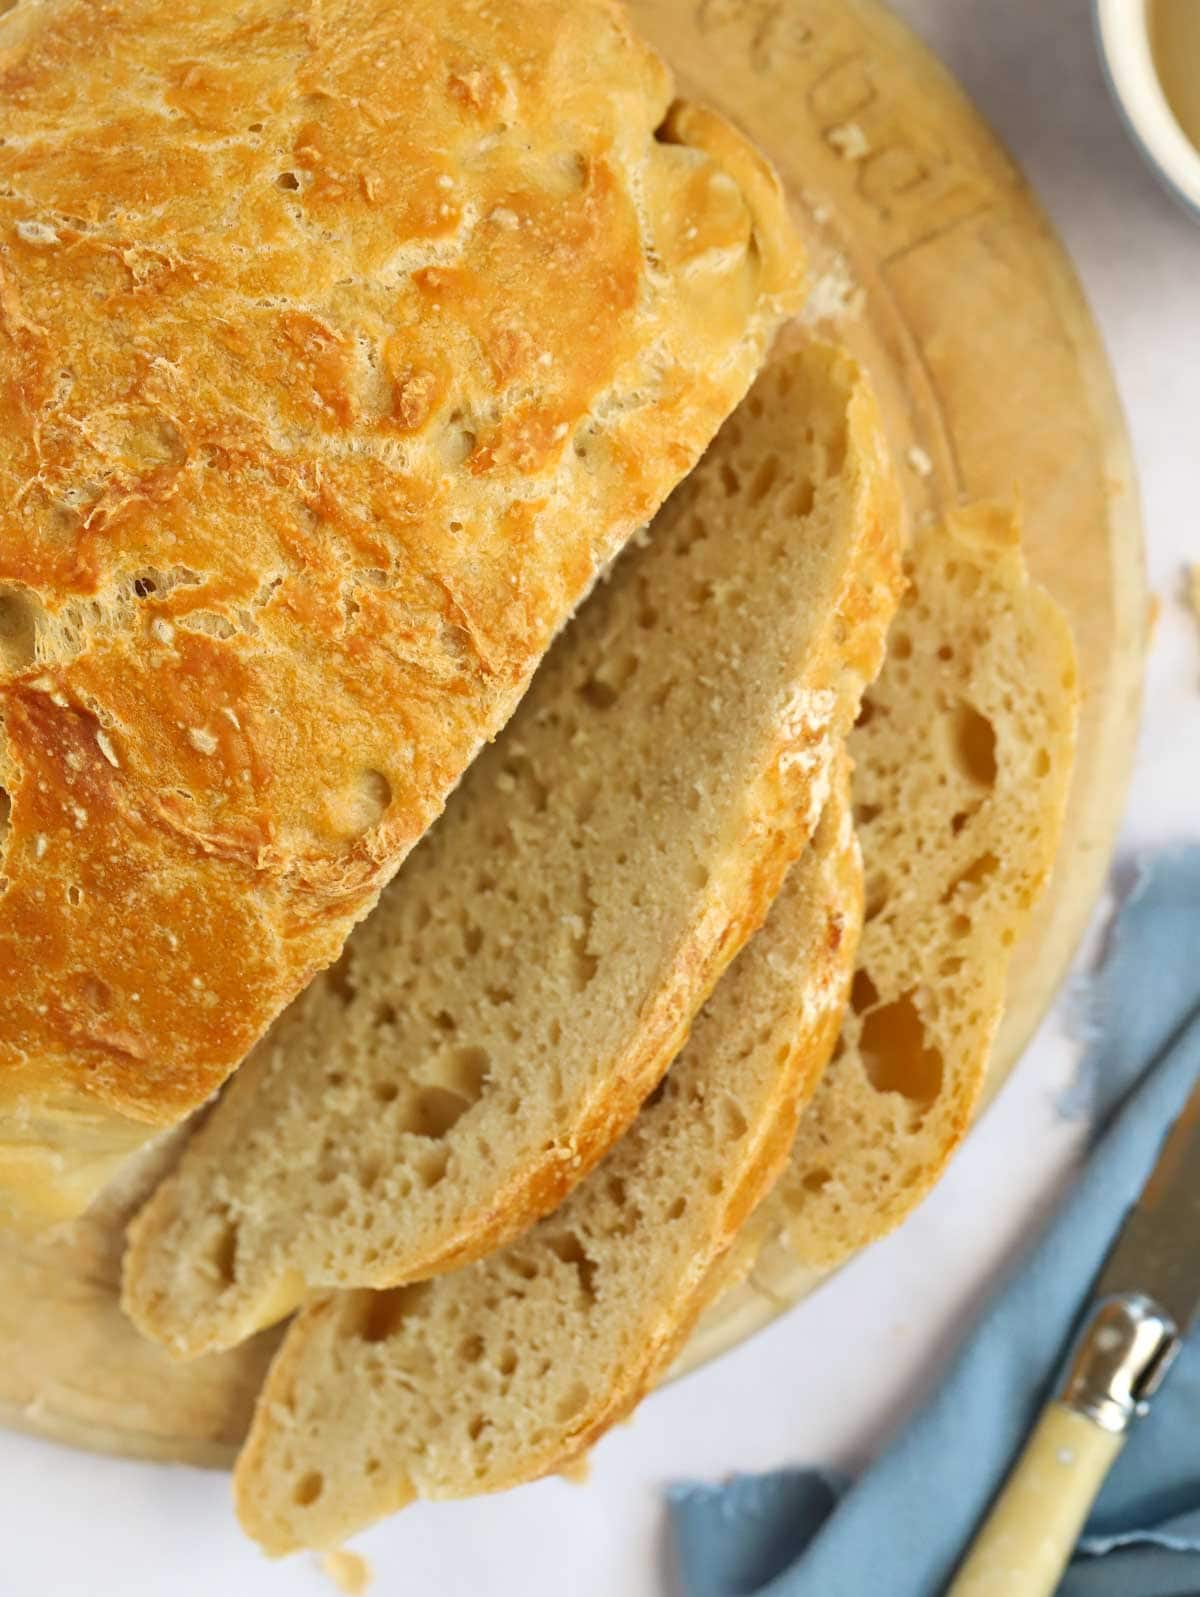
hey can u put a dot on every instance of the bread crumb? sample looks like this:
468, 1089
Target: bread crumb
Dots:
162, 630
231, 717
1153, 616
849, 141
105, 746
1194, 590
81, 815
503, 217
833, 295
578, 1471
202, 740
919, 461
349, 1572
40, 846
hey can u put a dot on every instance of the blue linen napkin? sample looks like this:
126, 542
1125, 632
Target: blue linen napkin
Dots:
901, 1530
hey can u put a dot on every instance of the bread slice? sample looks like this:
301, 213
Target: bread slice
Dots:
495, 1025
343, 346
963, 754
508, 1369
963, 757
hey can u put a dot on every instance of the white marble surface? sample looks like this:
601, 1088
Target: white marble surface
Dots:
827, 1381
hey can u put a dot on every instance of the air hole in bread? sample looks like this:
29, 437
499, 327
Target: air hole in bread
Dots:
735, 1124
210, 623
571, 1251
895, 1054
864, 994
308, 1488
599, 694
362, 804
74, 895
864, 814
878, 892
386, 1312
677, 1209
5, 815
900, 646
1041, 764
584, 964
338, 980
458, 440
730, 480
507, 1362
470, 1349
571, 1403
287, 180
975, 875
765, 479
974, 745
438, 1111
803, 498
222, 1253
18, 629
866, 713
431, 1164
465, 1072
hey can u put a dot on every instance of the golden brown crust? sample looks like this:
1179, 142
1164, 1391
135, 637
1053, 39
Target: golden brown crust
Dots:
344, 346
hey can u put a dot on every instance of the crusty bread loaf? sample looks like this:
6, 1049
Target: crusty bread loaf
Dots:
343, 345
493, 1027
508, 1369
963, 758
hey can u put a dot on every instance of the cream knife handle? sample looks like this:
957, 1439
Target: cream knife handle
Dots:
1029, 1536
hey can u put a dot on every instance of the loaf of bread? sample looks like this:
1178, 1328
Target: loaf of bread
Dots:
525, 981
508, 1369
344, 345
963, 757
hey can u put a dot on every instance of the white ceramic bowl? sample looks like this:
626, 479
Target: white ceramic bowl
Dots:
1123, 32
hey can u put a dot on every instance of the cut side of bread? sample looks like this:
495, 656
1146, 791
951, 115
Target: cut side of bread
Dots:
508, 1369
342, 349
495, 1025
963, 757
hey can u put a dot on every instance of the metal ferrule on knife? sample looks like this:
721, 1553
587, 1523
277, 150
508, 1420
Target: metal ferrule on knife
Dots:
1119, 1360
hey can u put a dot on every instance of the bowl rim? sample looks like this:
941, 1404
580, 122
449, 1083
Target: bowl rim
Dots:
1123, 36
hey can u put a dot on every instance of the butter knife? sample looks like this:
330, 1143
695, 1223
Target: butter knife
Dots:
1144, 1301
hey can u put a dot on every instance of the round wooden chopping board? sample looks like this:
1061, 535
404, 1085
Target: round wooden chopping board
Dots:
932, 260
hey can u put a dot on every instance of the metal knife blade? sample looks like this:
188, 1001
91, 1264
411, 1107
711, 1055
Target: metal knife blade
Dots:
1157, 1251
